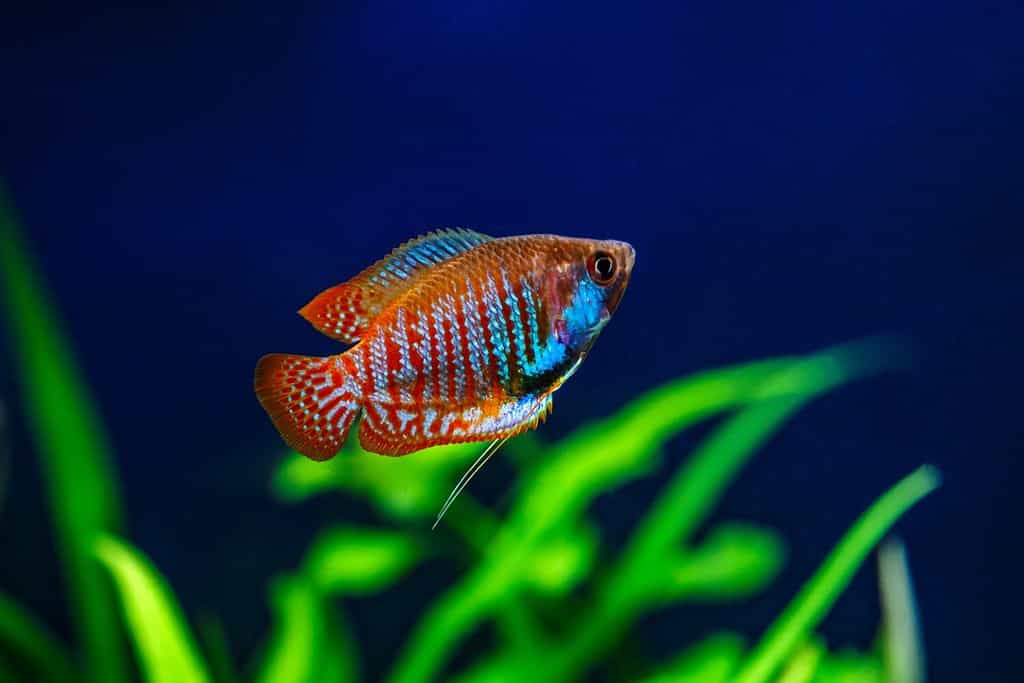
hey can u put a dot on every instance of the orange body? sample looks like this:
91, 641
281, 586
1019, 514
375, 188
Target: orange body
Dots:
458, 337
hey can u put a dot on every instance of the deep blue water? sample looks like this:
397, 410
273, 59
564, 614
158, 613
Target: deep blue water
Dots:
791, 176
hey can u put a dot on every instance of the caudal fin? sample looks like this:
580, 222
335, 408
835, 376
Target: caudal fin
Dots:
310, 400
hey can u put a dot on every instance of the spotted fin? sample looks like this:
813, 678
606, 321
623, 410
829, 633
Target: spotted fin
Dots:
392, 430
345, 311
312, 401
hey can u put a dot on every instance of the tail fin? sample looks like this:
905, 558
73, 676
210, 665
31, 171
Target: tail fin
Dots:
311, 401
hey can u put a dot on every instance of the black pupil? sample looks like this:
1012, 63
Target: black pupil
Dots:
604, 267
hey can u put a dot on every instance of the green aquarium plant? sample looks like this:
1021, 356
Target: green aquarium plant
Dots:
538, 571
76, 464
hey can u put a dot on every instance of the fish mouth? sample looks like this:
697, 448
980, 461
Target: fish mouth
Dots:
630, 255
625, 252
626, 255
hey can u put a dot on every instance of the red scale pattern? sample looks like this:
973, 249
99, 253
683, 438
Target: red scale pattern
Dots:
409, 407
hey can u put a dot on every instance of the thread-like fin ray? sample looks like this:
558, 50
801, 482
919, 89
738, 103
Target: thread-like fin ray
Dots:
345, 311
477, 465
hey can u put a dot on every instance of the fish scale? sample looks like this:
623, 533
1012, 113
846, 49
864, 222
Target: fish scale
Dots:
457, 337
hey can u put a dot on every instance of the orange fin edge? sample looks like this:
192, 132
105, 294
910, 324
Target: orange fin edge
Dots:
338, 312
310, 400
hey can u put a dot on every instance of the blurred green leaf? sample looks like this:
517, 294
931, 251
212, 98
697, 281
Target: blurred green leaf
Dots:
562, 562
358, 561
498, 668
72, 446
691, 494
606, 454
902, 648
850, 667
710, 661
305, 647
821, 591
214, 643
734, 562
700, 482
7, 674
804, 664
405, 488
163, 642
29, 641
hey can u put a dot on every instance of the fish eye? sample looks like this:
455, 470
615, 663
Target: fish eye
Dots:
601, 267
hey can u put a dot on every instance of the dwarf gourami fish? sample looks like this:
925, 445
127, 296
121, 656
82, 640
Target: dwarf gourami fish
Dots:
457, 337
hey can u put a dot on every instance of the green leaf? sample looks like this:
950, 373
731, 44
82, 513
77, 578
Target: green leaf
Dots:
606, 454
710, 661
29, 641
498, 668
348, 560
305, 646
163, 643
407, 488
701, 481
902, 647
734, 562
802, 667
850, 667
72, 446
819, 594
8, 674
562, 562
691, 494
214, 643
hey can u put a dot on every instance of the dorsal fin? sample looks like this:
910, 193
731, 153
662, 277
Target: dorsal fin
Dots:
346, 310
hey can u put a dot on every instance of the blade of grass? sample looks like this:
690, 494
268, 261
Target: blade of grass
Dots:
807, 609
902, 647
215, 645
850, 667
304, 647
73, 450
804, 664
163, 642
709, 661
31, 642
690, 495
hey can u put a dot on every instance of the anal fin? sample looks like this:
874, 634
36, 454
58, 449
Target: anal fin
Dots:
392, 430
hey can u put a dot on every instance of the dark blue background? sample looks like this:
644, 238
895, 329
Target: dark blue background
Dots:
791, 177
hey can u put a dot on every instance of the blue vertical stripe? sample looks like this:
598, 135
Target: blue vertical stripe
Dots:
458, 354
496, 325
442, 360
512, 300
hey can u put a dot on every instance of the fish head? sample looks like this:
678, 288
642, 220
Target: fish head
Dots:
593, 276
609, 266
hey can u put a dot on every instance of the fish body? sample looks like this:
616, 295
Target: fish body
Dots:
457, 337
